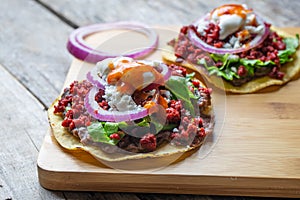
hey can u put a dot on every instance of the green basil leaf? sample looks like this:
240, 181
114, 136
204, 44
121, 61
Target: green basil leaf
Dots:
177, 85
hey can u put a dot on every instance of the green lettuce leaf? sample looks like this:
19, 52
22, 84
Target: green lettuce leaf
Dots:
291, 47
228, 70
101, 133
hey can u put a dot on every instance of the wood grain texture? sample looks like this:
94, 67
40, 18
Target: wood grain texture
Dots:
33, 47
280, 13
255, 152
33, 55
34, 66
20, 141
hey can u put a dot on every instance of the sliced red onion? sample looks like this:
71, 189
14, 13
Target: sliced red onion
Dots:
211, 49
92, 76
112, 116
161, 67
81, 50
166, 71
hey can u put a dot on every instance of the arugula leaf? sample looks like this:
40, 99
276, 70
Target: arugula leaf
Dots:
177, 85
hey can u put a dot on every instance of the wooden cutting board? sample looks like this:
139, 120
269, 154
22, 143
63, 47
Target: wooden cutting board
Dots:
254, 151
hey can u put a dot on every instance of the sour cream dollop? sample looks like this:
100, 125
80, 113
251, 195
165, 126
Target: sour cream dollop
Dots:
232, 18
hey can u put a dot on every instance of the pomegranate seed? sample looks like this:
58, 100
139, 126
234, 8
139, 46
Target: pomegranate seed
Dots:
148, 142
196, 83
242, 70
115, 136
218, 44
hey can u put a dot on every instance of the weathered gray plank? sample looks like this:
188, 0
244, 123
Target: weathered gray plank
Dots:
33, 47
22, 128
33, 51
280, 13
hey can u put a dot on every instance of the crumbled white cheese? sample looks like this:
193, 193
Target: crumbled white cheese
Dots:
119, 101
250, 18
151, 92
175, 130
166, 93
102, 67
227, 46
237, 44
179, 71
255, 30
234, 69
201, 27
232, 40
233, 57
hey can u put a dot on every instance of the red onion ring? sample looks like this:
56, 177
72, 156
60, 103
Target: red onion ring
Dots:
80, 49
161, 67
112, 116
211, 49
92, 77
166, 71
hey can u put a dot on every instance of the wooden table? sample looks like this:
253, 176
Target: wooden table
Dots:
34, 63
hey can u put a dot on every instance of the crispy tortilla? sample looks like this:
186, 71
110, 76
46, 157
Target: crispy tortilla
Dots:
290, 69
70, 142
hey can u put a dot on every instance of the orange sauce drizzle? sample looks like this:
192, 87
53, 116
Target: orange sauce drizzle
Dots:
230, 9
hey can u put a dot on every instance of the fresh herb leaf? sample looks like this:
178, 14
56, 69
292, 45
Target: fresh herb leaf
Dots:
101, 133
291, 47
169, 127
177, 85
98, 133
231, 62
251, 65
188, 82
145, 122
111, 127
189, 77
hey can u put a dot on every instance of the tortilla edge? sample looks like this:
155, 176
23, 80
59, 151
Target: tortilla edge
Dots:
61, 134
